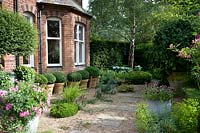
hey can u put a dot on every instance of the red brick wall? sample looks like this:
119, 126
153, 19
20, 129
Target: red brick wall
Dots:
68, 19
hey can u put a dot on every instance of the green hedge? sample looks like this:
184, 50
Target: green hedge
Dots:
105, 54
136, 77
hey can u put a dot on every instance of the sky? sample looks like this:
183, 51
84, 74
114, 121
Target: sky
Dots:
85, 4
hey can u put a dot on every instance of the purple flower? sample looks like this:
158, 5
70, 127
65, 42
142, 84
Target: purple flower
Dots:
8, 106
3, 93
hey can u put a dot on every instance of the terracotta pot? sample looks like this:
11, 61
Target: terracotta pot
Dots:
93, 82
73, 83
84, 83
50, 88
58, 88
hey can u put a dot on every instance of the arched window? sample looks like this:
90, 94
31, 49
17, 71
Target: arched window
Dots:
29, 60
53, 40
79, 44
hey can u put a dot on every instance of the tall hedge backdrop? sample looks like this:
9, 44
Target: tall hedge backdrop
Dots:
108, 53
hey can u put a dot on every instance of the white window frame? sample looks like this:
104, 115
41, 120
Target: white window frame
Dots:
54, 38
76, 42
31, 57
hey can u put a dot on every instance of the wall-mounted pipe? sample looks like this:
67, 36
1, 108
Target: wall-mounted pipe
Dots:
40, 7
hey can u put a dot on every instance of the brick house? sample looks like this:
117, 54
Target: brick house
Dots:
63, 28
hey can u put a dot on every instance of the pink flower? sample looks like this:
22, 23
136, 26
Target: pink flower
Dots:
24, 114
14, 89
8, 106
39, 112
19, 128
2, 93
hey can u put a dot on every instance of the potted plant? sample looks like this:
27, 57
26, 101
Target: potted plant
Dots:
60, 82
74, 78
51, 80
40, 79
21, 106
85, 78
94, 73
159, 98
24, 73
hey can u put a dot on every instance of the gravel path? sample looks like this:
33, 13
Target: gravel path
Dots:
101, 117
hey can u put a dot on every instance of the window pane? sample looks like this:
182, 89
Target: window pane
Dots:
75, 32
53, 28
80, 33
53, 52
75, 52
80, 52
26, 60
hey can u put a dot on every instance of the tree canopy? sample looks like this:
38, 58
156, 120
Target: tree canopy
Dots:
17, 36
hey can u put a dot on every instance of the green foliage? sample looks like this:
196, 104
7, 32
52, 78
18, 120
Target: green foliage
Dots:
84, 74
5, 81
186, 115
107, 75
192, 93
60, 77
93, 71
24, 73
162, 93
108, 88
74, 76
135, 77
147, 122
156, 73
179, 76
143, 118
71, 93
125, 88
50, 77
62, 110
177, 32
17, 36
41, 79
105, 54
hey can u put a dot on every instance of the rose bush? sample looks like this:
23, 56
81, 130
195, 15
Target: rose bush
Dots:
19, 105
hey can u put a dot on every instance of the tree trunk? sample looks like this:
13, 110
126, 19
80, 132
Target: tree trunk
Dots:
132, 54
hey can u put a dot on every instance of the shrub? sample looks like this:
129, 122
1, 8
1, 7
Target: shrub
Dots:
148, 122
125, 88
156, 73
136, 77
24, 73
50, 77
5, 80
84, 74
71, 93
18, 37
74, 77
93, 71
162, 93
60, 77
62, 110
186, 115
107, 75
143, 118
41, 79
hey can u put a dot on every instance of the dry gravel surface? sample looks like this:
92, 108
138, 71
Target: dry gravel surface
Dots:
114, 116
